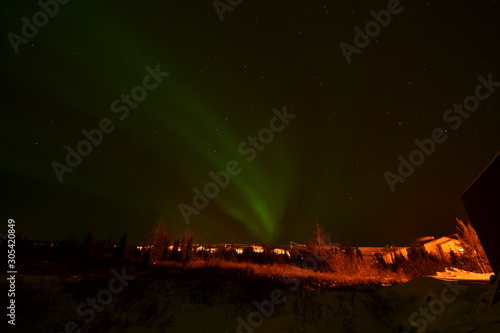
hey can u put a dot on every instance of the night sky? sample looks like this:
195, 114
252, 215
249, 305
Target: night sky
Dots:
227, 80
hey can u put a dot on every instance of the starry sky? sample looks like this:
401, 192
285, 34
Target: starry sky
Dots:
217, 78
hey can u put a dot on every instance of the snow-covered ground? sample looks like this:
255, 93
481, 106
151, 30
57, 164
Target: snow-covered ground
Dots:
451, 274
449, 301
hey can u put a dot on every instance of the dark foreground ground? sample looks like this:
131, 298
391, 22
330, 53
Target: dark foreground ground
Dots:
58, 298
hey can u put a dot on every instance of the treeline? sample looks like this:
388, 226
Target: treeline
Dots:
418, 261
319, 255
158, 247
74, 249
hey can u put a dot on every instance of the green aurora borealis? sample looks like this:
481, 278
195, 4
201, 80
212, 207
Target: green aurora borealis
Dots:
225, 78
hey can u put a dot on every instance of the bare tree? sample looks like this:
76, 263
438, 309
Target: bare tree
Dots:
473, 251
319, 239
158, 241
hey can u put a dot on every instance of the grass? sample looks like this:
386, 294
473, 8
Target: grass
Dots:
365, 274
161, 296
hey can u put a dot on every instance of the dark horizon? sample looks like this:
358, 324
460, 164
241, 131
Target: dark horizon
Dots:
136, 241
